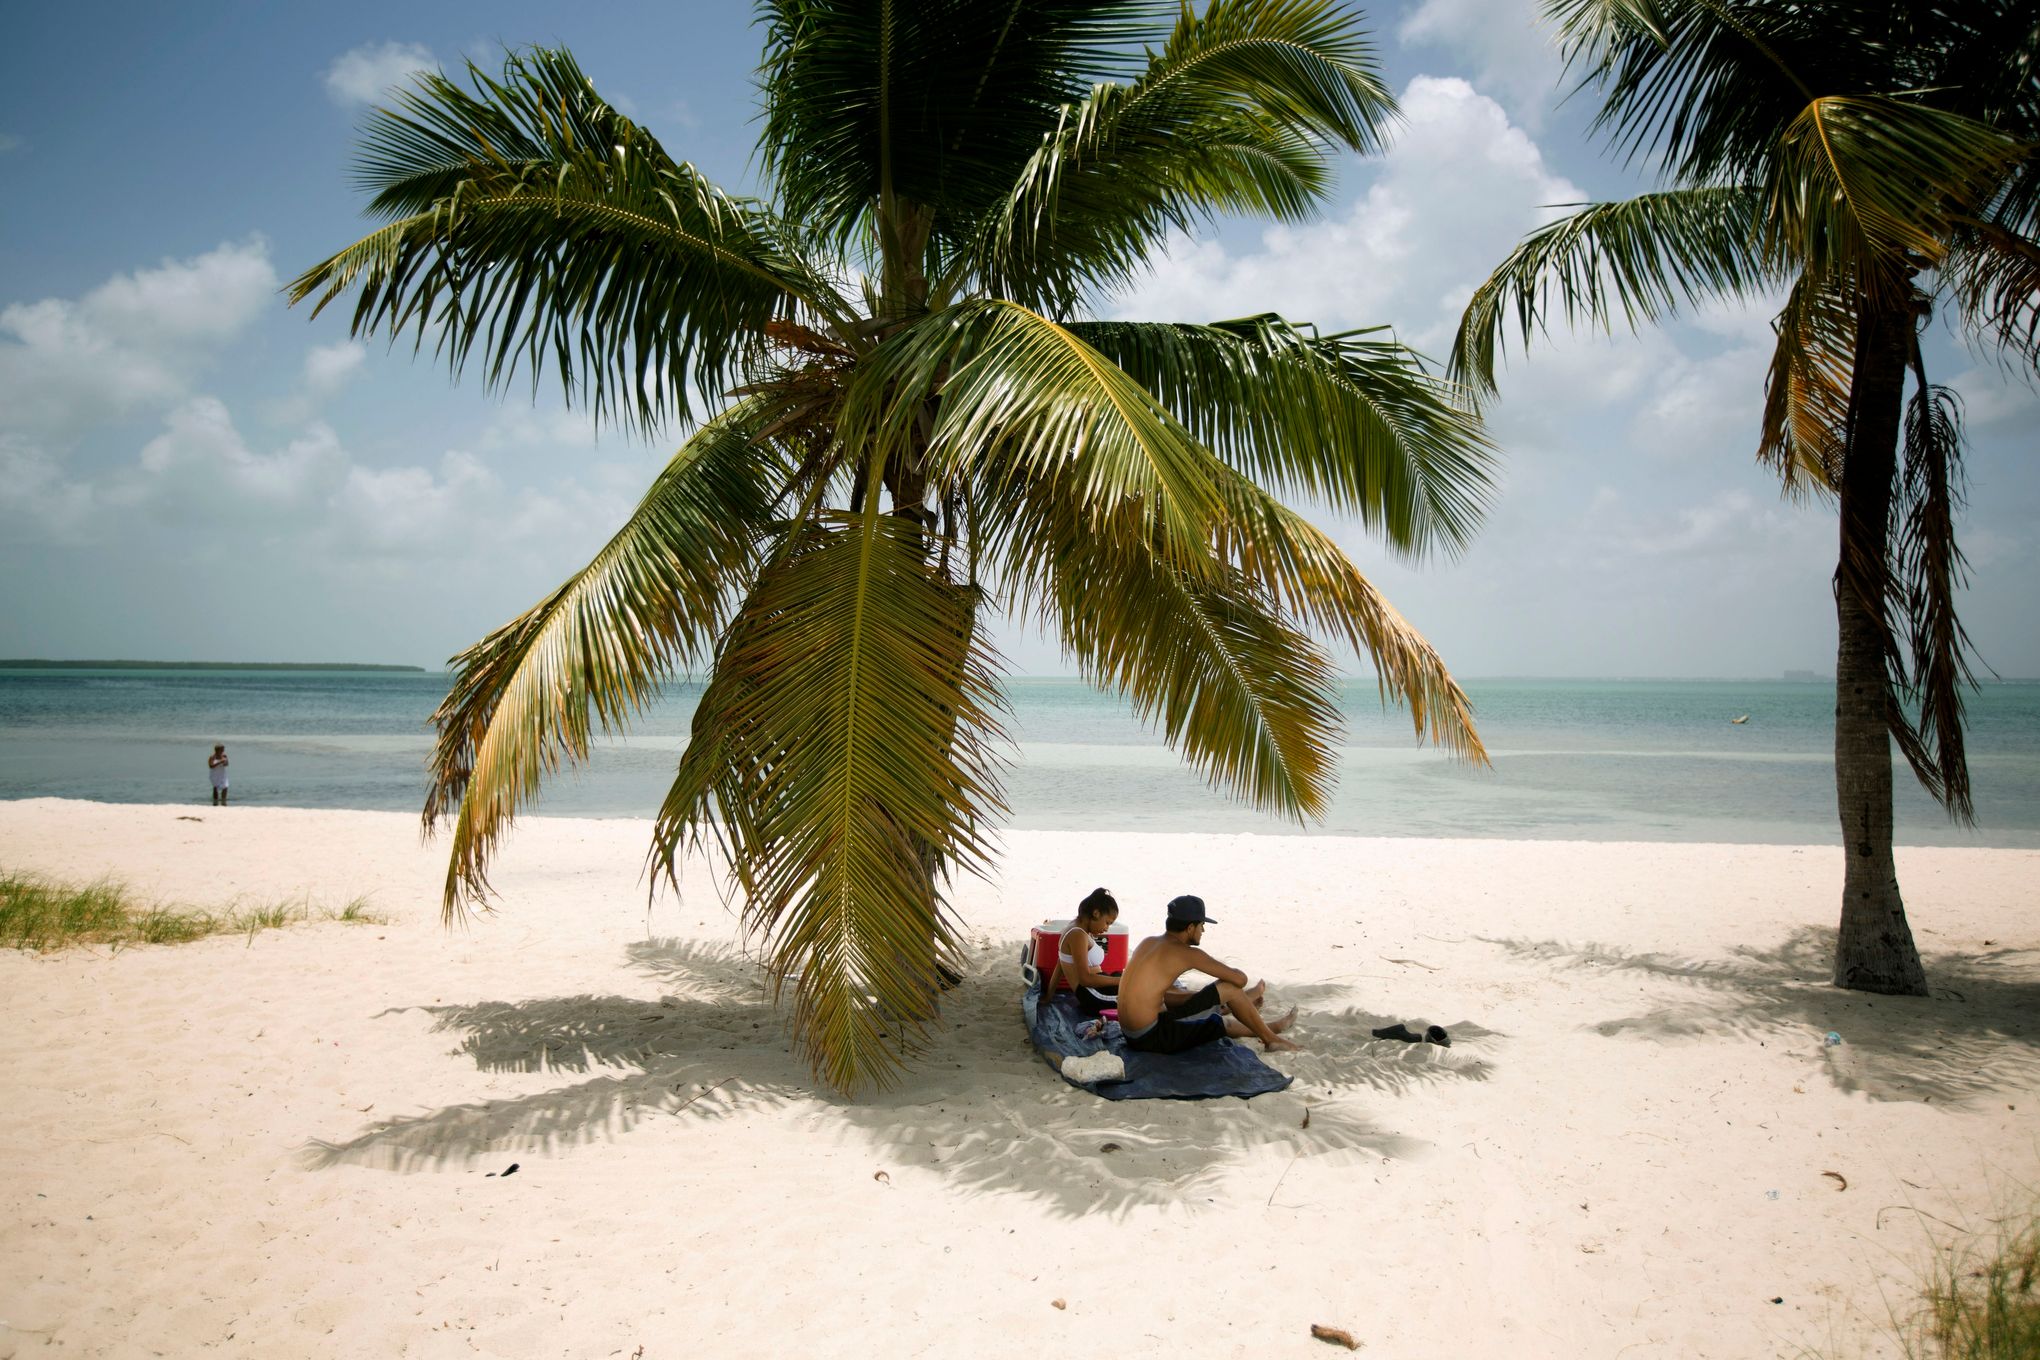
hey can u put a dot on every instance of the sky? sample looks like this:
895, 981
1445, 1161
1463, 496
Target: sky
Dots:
192, 470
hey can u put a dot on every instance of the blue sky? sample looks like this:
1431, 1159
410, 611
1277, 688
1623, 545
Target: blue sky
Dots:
190, 470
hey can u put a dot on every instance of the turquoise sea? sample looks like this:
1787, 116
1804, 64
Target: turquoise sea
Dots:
1573, 759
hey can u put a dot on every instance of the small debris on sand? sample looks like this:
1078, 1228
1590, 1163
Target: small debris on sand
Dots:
1058, 1303
881, 1176
1841, 1181
1334, 1335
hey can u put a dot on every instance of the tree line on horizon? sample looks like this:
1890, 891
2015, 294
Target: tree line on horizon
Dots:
904, 416
41, 664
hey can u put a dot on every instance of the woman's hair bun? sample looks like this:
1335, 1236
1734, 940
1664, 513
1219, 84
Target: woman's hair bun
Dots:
1099, 900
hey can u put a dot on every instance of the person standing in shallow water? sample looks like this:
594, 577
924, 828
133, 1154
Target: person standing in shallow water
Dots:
216, 765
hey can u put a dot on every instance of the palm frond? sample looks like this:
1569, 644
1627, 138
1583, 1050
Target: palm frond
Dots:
1589, 29
935, 103
844, 742
1355, 420
1026, 402
1870, 187
1995, 275
1699, 86
1806, 394
1642, 259
1014, 382
527, 697
1240, 692
576, 243
954, 180
1307, 573
439, 135
1931, 571
1237, 112
1048, 549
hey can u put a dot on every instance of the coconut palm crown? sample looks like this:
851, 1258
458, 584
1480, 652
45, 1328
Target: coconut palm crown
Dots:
1868, 163
901, 422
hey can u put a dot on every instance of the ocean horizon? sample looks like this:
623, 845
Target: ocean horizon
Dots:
1573, 759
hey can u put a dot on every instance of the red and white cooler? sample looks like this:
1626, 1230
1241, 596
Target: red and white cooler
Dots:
1045, 939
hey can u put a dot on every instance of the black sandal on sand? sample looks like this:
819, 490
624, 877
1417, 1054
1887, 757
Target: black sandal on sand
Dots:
1436, 1035
1402, 1032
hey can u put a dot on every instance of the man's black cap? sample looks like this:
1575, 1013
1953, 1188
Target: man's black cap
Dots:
1190, 911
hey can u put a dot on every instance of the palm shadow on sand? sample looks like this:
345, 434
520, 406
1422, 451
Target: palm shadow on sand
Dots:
1977, 1036
690, 1053
979, 1108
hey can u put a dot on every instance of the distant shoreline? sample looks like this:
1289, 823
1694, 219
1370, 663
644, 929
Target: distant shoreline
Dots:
204, 666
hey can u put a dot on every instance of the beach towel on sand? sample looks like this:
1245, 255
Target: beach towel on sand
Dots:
1223, 1068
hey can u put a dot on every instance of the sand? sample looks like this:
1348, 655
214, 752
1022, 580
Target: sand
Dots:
283, 1145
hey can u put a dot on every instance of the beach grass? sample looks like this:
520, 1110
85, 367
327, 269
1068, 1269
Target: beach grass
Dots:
1984, 1307
1978, 1300
43, 914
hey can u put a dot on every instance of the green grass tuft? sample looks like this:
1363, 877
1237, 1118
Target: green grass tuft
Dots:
42, 914
1985, 1310
357, 910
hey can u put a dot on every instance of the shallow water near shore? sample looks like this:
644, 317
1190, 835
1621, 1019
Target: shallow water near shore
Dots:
1572, 759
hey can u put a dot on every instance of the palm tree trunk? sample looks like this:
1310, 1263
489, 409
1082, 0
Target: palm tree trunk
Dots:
1874, 951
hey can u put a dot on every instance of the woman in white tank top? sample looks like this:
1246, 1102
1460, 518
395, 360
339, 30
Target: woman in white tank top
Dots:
1081, 954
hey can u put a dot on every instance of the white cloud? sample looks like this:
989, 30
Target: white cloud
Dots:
1992, 552
462, 516
414, 512
1706, 408
73, 370
1451, 196
137, 340
1722, 523
201, 470
1510, 51
40, 501
325, 371
366, 73
523, 427
1993, 399
201, 479
1634, 530
327, 367
205, 300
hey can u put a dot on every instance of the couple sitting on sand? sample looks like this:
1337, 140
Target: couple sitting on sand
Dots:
1156, 1015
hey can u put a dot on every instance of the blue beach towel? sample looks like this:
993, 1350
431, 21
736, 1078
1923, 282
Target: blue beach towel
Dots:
1223, 1068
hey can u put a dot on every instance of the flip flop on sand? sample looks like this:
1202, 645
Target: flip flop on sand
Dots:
1402, 1032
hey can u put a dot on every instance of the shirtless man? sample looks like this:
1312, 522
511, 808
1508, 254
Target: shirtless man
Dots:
1152, 1024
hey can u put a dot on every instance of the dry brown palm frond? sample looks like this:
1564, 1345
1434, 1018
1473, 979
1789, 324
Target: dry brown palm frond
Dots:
1806, 394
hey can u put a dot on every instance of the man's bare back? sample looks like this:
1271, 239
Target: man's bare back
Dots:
1158, 960
1155, 965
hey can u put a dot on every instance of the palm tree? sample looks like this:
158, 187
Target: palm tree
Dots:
910, 425
1868, 161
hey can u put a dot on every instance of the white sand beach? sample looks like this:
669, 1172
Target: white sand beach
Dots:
1638, 1145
